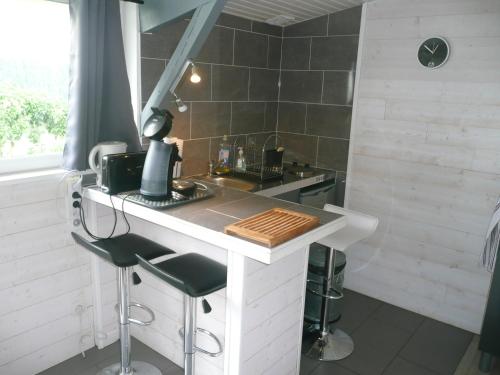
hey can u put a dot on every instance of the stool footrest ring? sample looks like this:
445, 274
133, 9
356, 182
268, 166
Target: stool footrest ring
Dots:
337, 294
212, 336
137, 321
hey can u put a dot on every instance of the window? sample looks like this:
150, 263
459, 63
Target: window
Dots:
34, 77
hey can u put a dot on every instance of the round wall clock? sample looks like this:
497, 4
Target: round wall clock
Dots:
434, 52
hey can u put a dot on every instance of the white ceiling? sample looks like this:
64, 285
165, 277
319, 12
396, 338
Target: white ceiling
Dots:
300, 10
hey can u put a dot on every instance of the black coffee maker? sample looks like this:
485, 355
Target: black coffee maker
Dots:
157, 174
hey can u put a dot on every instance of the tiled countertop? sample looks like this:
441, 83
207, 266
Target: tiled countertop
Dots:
206, 220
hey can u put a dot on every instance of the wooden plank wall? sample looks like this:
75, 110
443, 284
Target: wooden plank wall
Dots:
44, 279
425, 156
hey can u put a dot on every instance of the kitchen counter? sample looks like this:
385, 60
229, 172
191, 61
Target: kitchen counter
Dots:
206, 219
288, 183
259, 315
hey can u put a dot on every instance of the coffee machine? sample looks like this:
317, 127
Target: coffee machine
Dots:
157, 175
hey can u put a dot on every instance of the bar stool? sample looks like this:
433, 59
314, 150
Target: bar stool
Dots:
327, 344
196, 276
122, 251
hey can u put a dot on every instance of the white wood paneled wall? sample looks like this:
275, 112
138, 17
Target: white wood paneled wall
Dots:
44, 279
425, 156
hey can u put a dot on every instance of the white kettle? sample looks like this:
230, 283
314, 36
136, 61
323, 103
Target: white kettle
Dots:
101, 149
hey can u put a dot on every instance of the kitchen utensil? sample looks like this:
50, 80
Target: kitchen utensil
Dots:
273, 227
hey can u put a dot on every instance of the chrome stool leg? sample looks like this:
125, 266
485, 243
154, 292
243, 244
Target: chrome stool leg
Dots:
189, 331
189, 334
329, 346
126, 366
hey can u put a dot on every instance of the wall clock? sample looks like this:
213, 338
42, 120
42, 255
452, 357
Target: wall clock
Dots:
434, 52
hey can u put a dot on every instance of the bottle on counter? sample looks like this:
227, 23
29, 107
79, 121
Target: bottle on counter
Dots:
241, 163
224, 153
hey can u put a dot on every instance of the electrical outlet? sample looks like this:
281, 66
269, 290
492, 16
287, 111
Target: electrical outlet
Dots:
74, 185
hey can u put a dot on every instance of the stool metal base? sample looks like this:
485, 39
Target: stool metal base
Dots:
138, 368
332, 347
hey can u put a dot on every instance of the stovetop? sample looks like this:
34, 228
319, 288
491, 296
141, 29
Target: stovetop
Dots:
300, 170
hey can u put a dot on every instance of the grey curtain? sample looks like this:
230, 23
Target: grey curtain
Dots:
100, 107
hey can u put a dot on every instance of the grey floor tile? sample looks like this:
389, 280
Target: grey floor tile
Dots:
331, 368
96, 360
381, 336
307, 365
366, 360
80, 365
397, 317
356, 310
437, 346
402, 367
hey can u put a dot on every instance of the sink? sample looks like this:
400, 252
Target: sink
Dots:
230, 182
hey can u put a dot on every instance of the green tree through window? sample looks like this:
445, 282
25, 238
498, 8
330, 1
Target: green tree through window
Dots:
34, 78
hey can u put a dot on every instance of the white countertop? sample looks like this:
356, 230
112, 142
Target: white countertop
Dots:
205, 220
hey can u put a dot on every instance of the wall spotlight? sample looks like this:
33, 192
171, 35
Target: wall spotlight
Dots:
195, 77
181, 106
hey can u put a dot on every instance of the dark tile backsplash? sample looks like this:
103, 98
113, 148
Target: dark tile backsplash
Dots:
292, 117
218, 48
250, 49
301, 86
315, 27
258, 80
334, 53
230, 82
328, 121
295, 53
346, 22
210, 119
264, 84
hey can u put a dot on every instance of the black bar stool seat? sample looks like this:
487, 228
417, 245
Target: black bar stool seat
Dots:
123, 250
193, 274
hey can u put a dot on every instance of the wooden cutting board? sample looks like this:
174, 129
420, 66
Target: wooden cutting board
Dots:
273, 227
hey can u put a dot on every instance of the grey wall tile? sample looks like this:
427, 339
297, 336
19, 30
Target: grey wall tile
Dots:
260, 140
328, 121
265, 28
271, 119
195, 157
181, 122
301, 148
196, 91
346, 22
210, 119
264, 84
333, 154
295, 53
334, 53
301, 86
314, 27
218, 48
229, 82
235, 22
151, 71
250, 49
248, 117
274, 53
163, 42
292, 117
239, 140
338, 87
